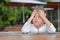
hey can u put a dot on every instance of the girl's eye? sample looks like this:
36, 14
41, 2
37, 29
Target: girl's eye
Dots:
34, 16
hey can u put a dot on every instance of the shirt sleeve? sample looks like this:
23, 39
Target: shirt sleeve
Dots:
26, 27
51, 29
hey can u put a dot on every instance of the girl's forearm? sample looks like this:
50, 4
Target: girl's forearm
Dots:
46, 21
30, 19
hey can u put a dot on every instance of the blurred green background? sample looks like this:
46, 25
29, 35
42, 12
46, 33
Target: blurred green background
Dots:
11, 15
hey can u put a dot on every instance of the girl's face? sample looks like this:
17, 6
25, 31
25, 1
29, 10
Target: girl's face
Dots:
37, 20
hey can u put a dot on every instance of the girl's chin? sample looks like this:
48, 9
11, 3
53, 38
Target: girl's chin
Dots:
36, 24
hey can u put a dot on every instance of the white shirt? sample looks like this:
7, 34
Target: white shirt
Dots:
28, 27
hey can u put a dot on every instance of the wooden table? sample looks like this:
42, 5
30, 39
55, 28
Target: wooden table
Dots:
31, 36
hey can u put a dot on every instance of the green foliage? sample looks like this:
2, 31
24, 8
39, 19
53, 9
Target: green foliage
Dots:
11, 14
27, 11
6, 0
2, 14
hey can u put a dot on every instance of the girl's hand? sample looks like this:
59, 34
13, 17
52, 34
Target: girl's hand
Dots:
32, 16
42, 13
43, 16
33, 13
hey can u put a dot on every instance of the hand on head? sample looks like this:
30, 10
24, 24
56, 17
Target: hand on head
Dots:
42, 13
39, 12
